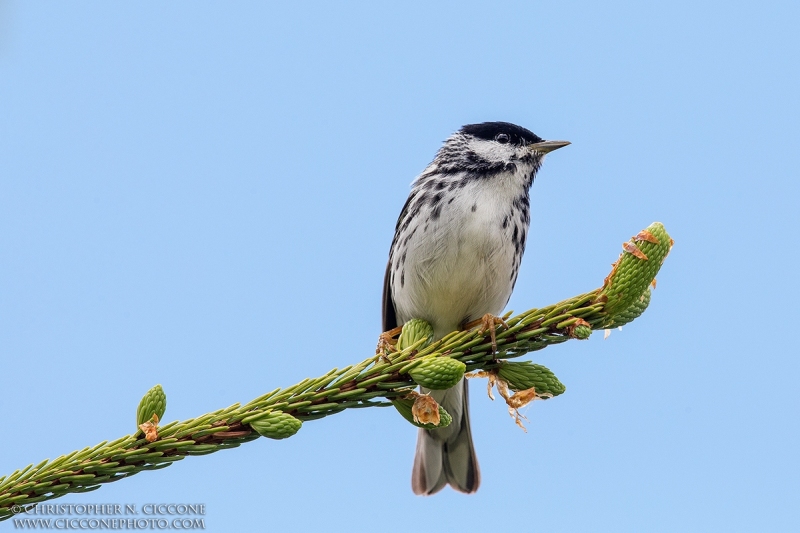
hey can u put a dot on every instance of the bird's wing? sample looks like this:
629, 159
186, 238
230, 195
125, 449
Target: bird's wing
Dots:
389, 314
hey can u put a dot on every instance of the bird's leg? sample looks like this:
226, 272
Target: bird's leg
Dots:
488, 322
387, 342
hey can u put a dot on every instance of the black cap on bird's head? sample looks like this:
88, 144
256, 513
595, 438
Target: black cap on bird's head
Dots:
489, 131
506, 132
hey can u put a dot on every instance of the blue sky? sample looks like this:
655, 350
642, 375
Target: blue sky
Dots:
203, 195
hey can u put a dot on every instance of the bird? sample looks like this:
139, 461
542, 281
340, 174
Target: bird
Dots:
454, 258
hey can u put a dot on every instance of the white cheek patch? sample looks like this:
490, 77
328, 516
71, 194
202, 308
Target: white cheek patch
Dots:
492, 151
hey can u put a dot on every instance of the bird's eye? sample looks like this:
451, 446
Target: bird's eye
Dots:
502, 138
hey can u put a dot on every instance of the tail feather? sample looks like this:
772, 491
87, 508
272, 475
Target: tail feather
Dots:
447, 456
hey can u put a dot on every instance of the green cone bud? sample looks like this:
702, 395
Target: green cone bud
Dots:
404, 407
632, 312
414, 330
153, 402
276, 425
582, 332
524, 375
438, 373
632, 273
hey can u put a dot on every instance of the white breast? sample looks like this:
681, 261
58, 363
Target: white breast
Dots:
460, 266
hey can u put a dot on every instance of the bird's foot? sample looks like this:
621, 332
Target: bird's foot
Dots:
488, 322
387, 342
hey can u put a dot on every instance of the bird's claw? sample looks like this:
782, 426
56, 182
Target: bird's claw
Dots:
386, 343
488, 322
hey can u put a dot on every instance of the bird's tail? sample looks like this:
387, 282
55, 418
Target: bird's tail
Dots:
447, 455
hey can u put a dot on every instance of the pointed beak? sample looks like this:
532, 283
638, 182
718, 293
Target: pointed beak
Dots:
545, 147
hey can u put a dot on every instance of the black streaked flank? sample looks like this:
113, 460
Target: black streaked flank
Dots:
436, 205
